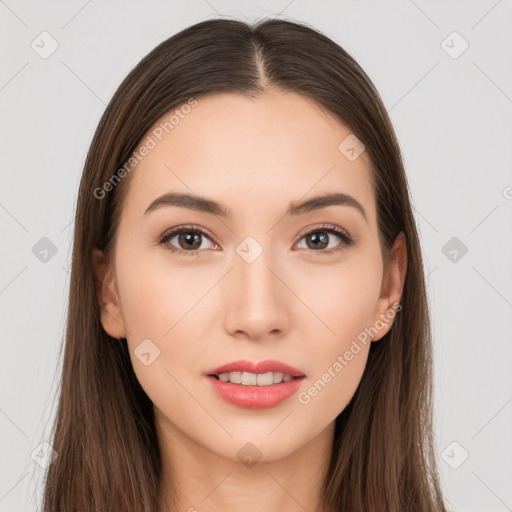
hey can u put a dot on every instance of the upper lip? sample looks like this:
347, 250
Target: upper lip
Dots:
266, 366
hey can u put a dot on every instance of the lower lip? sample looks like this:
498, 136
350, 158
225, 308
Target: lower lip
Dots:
255, 397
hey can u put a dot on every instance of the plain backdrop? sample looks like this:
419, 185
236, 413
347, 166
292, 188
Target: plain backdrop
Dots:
443, 70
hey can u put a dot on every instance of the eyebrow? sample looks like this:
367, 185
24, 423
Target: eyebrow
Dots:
203, 204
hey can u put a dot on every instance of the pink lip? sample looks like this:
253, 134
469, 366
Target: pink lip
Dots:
256, 397
268, 365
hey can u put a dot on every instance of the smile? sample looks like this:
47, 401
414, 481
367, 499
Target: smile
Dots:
255, 385
254, 379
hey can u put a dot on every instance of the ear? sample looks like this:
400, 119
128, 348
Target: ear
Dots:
106, 292
392, 287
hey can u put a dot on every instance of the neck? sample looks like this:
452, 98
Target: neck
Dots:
194, 478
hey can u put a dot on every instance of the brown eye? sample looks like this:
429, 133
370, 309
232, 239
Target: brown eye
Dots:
317, 240
188, 240
323, 240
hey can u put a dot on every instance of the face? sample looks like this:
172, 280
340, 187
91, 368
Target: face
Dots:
255, 284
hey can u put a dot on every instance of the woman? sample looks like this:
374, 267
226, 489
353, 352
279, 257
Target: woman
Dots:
287, 363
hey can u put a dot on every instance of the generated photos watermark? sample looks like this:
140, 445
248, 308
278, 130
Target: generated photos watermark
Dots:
363, 338
151, 141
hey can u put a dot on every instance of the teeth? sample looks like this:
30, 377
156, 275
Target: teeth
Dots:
234, 377
249, 379
278, 377
265, 379
253, 379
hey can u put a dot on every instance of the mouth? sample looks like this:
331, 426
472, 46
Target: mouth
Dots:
252, 385
255, 379
278, 370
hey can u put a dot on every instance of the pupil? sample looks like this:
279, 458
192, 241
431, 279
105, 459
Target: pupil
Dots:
317, 239
187, 238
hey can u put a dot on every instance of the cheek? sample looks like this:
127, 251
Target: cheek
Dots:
158, 296
343, 297
338, 358
344, 301
169, 305
162, 304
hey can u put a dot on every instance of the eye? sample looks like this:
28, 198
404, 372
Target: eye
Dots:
188, 239
319, 239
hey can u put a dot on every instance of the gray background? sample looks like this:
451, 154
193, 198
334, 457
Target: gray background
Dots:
453, 120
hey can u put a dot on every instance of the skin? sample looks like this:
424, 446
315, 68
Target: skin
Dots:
292, 304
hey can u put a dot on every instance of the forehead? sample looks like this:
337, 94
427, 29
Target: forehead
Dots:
251, 154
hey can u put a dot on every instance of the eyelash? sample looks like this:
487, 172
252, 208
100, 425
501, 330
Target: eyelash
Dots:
326, 228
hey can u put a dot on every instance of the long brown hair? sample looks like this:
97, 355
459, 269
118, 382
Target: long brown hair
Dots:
383, 456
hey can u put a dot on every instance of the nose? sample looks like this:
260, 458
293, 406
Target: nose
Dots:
256, 300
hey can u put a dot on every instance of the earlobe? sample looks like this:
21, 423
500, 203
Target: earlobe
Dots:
392, 287
106, 293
